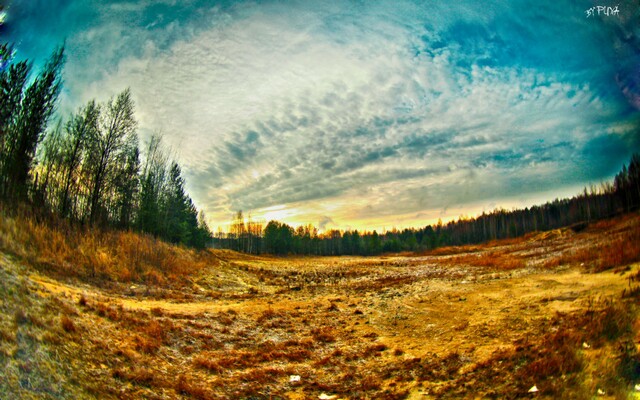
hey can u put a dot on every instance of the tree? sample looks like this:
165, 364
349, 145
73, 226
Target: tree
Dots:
117, 122
238, 231
80, 130
254, 233
278, 238
152, 183
25, 114
127, 183
176, 208
356, 243
51, 155
634, 179
372, 244
204, 235
12, 82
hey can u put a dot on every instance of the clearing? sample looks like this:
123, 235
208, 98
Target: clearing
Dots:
486, 321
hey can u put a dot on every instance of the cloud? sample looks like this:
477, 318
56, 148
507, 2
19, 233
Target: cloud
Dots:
324, 222
366, 112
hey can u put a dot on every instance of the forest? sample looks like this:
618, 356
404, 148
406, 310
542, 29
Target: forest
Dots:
608, 200
88, 168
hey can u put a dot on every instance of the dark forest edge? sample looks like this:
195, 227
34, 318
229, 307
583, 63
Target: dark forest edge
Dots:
608, 200
87, 170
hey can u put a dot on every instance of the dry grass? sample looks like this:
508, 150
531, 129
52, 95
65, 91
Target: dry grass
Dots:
385, 327
496, 259
32, 335
67, 324
557, 363
614, 249
94, 256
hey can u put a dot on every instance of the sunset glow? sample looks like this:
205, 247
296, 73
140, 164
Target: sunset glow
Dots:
359, 115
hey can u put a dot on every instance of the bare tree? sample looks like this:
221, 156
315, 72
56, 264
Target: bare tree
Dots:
117, 121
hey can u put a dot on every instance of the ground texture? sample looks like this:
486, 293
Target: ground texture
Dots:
551, 315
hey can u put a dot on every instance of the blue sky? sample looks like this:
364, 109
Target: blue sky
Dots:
354, 114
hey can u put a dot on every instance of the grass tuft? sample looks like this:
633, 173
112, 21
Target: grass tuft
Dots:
323, 334
67, 324
20, 317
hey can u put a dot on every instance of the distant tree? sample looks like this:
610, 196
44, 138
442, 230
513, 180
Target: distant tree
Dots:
347, 247
333, 241
372, 244
254, 234
409, 240
204, 235
175, 205
271, 232
392, 245
238, 232
634, 179
356, 243
278, 238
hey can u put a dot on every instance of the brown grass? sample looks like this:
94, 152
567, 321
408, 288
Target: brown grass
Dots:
324, 334
138, 375
610, 251
93, 255
452, 250
383, 327
556, 362
67, 324
497, 259
20, 317
186, 386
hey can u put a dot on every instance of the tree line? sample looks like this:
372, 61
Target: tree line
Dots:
87, 168
609, 199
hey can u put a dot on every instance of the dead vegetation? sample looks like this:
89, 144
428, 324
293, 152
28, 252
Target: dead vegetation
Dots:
618, 246
98, 257
488, 321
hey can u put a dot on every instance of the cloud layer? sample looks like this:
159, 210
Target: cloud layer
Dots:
353, 114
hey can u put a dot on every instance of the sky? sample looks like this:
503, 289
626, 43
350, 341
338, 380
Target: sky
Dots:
359, 114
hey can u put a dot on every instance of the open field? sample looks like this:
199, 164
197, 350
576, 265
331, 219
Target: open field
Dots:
557, 310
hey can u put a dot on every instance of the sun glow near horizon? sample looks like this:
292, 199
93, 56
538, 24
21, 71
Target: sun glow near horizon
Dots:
346, 220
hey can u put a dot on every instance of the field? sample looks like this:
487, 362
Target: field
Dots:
550, 315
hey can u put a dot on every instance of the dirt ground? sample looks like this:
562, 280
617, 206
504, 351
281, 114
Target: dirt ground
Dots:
411, 326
